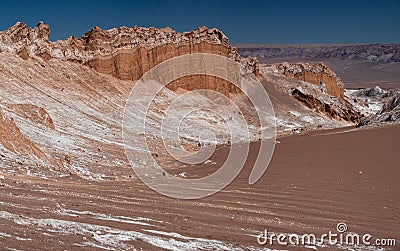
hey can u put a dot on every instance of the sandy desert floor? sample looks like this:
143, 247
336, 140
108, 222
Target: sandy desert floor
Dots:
314, 182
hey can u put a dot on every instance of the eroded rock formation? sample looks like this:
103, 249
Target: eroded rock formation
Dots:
336, 109
125, 53
375, 92
13, 140
32, 113
251, 63
389, 113
317, 74
87, 107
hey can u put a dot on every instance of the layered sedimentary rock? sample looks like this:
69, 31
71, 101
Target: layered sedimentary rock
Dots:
204, 82
97, 43
14, 141
317, 74
125, 53
32, 113
26, 42
336, 109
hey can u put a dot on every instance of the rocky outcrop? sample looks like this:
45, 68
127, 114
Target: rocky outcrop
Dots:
339, 109
370, 100
33, 113
375, 92
318, 74
390, 113
13, 140
26, 42
251, 63
125, 53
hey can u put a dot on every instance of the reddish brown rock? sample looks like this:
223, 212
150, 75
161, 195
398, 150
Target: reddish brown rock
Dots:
24, 41
125, 53
35, 114
195, 82
318, 74
13, 140
251, 63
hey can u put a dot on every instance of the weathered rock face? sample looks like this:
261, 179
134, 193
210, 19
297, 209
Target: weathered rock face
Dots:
339, 109
317, 74
13, 140
26, 42
390, 113
375, 92
251, 63
204, 82
32, 113
125, 53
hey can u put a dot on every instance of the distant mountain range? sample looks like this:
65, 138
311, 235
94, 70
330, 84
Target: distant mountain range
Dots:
370, 52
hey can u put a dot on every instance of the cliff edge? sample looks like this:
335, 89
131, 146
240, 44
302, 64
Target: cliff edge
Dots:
125, 53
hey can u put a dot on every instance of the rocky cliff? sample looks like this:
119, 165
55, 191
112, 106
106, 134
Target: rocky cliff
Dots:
125, 53
318, 74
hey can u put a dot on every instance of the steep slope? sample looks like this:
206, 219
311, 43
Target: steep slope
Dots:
322, 104
301, 106
74, 115
318, 74
13, 140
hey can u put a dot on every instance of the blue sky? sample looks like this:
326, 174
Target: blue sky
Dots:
288, 21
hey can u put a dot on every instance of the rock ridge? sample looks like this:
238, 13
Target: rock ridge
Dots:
315, 73
126, 53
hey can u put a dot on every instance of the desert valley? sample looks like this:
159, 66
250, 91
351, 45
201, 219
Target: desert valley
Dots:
66, 180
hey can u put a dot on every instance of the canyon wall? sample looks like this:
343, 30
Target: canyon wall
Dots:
125, 53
